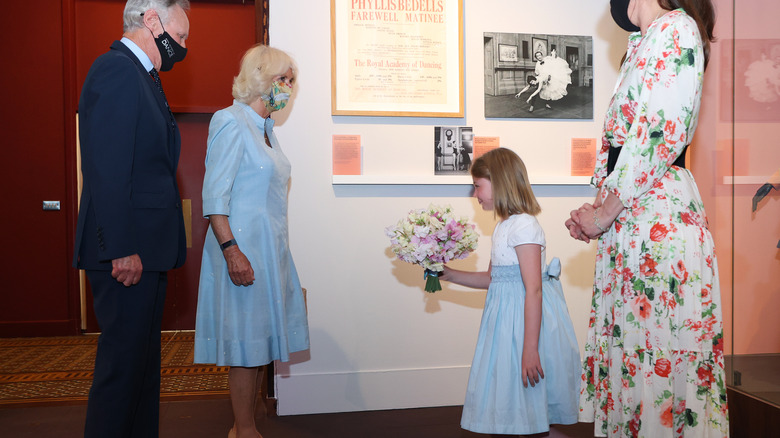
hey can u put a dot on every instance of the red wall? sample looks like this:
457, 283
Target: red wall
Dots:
220, 33
48, 51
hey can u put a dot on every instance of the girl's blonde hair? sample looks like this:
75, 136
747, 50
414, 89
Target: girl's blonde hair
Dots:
259, 66
506, 172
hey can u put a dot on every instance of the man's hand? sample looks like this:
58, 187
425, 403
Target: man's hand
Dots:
127, 270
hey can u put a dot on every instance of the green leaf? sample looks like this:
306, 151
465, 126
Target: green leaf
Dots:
691, 418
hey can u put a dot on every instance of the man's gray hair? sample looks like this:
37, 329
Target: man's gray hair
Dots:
134, 9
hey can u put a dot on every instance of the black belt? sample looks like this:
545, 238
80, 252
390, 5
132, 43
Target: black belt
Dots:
614, 153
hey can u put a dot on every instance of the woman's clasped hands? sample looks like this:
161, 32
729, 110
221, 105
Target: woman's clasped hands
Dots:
582, 224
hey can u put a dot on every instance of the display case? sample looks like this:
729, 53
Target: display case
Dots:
736, 162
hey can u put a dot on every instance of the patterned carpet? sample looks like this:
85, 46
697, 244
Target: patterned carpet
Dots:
58, 370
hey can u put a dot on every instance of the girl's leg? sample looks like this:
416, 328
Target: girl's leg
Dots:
243, 396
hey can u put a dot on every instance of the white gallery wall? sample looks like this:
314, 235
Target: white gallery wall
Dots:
378, 340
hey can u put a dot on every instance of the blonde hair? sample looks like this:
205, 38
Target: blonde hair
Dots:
259, 66
512, 193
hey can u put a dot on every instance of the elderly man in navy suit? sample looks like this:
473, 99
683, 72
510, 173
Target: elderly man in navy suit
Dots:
130, 229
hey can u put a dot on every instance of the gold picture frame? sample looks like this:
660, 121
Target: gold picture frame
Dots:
400, 59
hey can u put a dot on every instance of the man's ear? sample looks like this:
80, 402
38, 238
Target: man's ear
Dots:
152, 22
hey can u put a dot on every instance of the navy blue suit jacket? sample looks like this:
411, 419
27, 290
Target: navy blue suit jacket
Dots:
130, 201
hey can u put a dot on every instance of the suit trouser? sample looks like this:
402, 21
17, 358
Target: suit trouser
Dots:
124, 400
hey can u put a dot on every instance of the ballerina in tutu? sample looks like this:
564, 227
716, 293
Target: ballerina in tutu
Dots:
532, 81
526, 369
554, 74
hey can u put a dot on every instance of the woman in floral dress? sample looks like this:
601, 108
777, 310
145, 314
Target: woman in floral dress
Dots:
654, 354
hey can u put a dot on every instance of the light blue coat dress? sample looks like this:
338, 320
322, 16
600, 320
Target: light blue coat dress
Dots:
248, 181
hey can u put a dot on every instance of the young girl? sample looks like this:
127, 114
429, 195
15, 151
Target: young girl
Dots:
526, 368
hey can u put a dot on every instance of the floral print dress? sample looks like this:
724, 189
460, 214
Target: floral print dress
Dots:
653, 362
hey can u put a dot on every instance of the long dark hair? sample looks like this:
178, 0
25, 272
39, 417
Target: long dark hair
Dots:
703, 13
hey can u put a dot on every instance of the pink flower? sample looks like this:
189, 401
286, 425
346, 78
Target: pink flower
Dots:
641, 307
667, 417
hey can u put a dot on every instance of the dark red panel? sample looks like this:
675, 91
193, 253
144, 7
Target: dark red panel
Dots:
220, 33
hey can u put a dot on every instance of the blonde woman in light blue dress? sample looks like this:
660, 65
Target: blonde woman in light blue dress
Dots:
251, 309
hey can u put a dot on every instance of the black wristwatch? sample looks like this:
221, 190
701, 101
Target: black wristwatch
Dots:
228, 244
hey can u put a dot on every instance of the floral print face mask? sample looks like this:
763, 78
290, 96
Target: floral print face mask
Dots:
277, 95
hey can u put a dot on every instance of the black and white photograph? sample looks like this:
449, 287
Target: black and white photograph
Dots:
756, 80
549, 76
453, 149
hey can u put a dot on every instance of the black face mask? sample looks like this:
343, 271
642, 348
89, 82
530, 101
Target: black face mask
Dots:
619, 10
170, 51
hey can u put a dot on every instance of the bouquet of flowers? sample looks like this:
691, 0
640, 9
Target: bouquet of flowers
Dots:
430, 238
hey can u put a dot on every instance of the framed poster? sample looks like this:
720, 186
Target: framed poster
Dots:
397, 58
507, 53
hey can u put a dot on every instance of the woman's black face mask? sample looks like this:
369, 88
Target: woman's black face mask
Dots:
619, 10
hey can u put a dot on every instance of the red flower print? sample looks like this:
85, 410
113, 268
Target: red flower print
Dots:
667, 418
642, 179
641, 307
675, 39
669, 128
717, 347
680, 272
628, 112
705, 375
628, 274
658, 232
705, 294
668, 299
663, 367
647, 267
631, 367
634, 424
687, 218
662, 152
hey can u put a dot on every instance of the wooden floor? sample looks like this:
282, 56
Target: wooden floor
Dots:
212, 418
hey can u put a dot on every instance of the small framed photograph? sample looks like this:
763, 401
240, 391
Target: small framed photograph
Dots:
507, 53
539, 45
